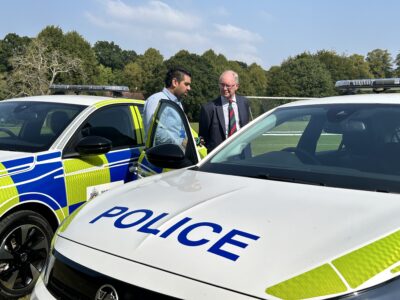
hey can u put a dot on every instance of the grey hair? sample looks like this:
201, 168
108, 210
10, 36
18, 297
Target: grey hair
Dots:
234, 74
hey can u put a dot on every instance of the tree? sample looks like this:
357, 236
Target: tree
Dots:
78, 47
128, 56
109, 54
341, 67
397, 62
3, 86
302, 76
10, 45
380, 63
104, 76
37, 68
360, 67
133, 77
151, 63
204, 81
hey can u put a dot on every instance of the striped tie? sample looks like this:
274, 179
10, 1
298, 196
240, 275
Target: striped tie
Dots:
232, 119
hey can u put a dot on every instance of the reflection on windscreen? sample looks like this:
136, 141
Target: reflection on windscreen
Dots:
354, 146
33, 126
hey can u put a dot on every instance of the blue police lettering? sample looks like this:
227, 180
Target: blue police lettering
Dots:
147, 214
145, 228
183, 239
123, 219
108, 214
228, 239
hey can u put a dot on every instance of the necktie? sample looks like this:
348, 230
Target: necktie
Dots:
232, 119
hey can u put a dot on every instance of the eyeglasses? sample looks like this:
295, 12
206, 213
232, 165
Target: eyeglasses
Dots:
223, 85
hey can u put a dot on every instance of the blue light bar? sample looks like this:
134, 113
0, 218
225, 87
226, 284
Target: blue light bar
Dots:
368, 84
89, 88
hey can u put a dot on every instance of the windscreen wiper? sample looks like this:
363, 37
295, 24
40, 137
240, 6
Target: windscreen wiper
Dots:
289, 179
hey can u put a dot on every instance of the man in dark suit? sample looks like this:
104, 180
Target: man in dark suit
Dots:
222, 117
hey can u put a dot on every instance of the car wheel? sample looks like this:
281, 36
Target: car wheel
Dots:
25, 238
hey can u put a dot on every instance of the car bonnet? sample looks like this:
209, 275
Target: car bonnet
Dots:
255, 236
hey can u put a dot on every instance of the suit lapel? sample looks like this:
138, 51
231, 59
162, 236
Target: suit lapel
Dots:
241, 109
220, 114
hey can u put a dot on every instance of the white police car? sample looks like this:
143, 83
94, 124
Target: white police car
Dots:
56, 152
301, 203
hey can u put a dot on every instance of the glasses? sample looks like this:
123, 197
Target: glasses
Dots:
223, 85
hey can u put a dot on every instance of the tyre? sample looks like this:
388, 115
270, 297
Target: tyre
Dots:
25, 238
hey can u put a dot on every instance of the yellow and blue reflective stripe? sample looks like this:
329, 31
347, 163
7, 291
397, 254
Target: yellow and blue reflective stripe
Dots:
117, 101
8, 191
138, 123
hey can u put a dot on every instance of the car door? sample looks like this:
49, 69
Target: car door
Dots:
88, 175
170, 143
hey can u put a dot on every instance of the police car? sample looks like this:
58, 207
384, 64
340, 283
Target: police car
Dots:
302, 203
56, 152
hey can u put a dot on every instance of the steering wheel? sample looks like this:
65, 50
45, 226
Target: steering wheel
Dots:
9, 132
304, 156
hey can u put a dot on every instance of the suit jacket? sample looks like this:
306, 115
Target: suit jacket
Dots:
212, 121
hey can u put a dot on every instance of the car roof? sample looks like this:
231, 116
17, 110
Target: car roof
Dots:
74, 99
383, 98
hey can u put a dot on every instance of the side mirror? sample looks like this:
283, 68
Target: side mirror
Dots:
168, 156
93, 145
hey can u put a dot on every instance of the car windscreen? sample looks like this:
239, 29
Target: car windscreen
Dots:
341, 145
32, 126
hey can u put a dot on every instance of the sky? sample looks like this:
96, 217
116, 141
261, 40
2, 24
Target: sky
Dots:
262, 31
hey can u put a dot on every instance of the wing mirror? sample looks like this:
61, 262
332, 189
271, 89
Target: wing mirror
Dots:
168, 156
93, 145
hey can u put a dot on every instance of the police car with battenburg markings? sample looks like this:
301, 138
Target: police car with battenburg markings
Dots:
302, 203
56, 152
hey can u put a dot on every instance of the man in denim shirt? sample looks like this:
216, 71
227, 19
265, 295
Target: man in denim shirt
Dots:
177, 84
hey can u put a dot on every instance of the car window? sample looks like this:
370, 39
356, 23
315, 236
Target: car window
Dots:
346, 145
33, 126
113, 123
285, 135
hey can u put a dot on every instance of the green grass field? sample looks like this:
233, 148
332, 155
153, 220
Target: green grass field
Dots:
285, 136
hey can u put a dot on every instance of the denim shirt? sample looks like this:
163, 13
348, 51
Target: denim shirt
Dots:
151, 105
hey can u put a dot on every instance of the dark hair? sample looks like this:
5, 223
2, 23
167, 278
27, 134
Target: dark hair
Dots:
177, 73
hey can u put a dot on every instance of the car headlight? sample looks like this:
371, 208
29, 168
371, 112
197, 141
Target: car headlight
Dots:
386, 291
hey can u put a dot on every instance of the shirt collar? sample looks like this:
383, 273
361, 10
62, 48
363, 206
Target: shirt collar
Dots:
225, 100
170, 95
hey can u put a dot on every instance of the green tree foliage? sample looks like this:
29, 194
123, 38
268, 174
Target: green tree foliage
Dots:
204, 81
104, 76
397, 62
151, 63
3, 86
302, 76
360, 67
111, 55
10, 45
78, 47
343, 67
380, 62
133, 76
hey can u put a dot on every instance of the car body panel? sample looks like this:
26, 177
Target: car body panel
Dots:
63, 184
282, 215
251, 234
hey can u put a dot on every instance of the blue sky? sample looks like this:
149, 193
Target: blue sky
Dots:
262, 31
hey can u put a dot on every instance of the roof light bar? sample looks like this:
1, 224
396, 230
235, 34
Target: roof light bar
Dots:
89, 88
377, 85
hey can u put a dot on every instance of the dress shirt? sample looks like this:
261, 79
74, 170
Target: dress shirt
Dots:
151, 105
225, 104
